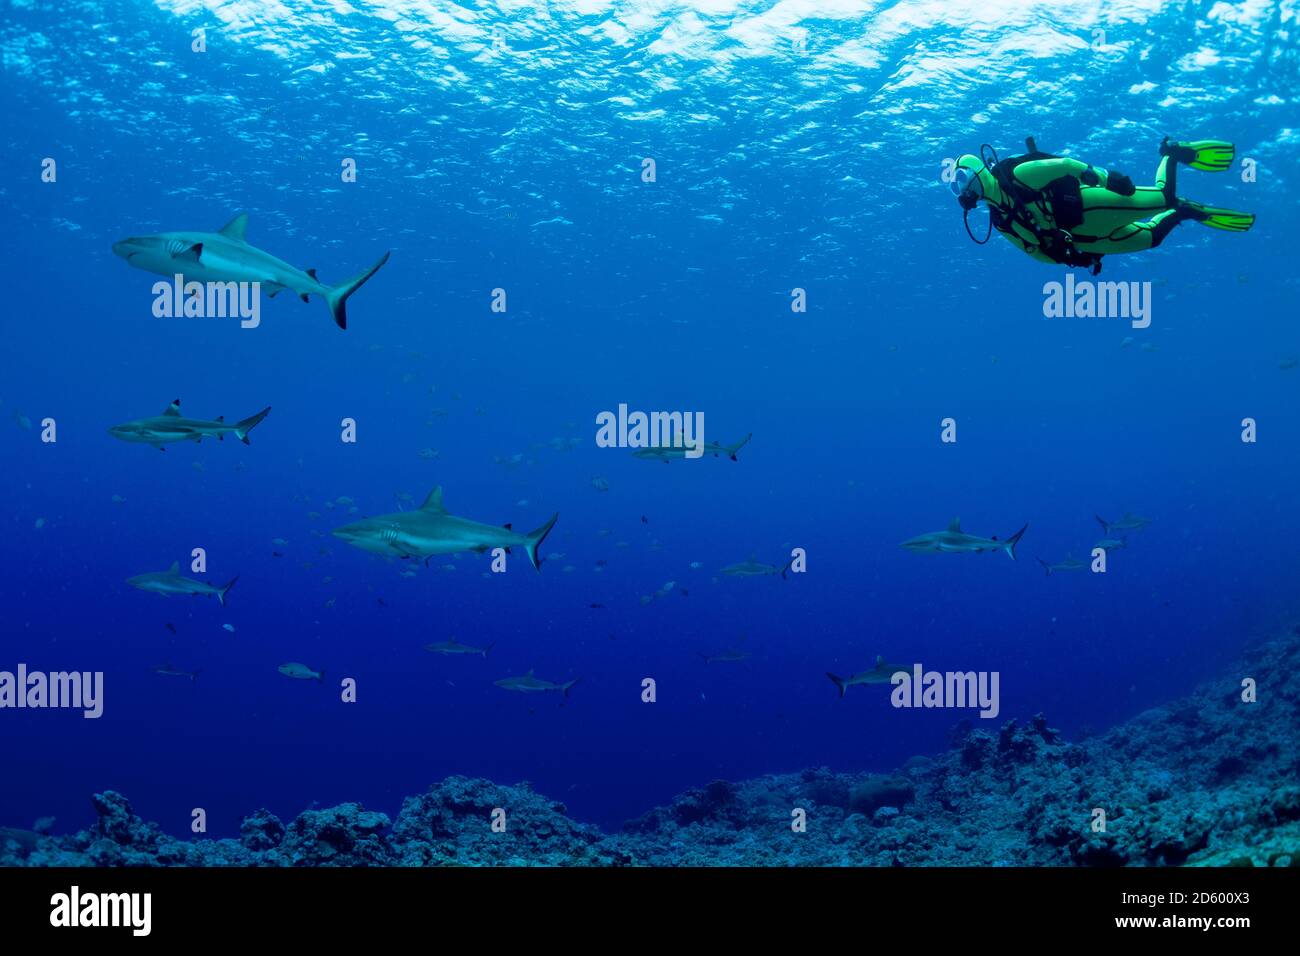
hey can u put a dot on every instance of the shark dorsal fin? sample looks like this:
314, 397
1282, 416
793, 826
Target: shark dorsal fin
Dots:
175, 568
955, 525
174, 409
530, 672
879, 660
434, 502
236, 228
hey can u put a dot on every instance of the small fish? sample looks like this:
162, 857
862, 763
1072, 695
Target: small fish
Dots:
301, 672
117, 499
599, 606
43, 825
40, 523
695, 565
279, 542
171, 627
600, 484
228, 627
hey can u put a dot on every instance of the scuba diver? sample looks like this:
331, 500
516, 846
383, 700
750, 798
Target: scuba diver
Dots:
1064, 211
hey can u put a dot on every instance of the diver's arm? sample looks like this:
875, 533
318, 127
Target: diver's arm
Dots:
1037, 173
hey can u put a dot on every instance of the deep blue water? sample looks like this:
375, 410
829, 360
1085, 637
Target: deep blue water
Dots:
521, 169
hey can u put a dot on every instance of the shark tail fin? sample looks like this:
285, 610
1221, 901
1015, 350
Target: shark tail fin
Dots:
1105, 525
488, 650
535, 539
1047, 568
194, 674
1010, 544
337, 295
732, 449
569, 686
244, 427
221, 595
789, 564
320, 677
838, 682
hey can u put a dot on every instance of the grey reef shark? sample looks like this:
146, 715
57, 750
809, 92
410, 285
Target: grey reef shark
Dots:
880, 673
955, 541
171, 582
530, 684
226, 256
172, 426
667, 453
432, 530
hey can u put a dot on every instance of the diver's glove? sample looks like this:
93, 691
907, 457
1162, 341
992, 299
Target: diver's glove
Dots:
1120, 184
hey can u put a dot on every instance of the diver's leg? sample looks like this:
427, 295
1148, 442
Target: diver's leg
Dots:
1105, 210
1138, 236
1167, 180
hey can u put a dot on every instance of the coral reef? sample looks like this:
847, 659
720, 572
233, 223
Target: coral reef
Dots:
1206, 780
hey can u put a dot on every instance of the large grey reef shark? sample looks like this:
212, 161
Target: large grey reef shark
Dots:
955, 541
171, 426
431, 530
171, 582
225, 256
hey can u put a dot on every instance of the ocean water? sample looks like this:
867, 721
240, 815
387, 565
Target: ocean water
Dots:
796, 145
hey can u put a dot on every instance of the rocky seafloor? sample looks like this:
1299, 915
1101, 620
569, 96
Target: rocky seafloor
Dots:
1208, 779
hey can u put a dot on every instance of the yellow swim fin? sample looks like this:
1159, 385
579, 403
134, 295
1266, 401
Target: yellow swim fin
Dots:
1229, 220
